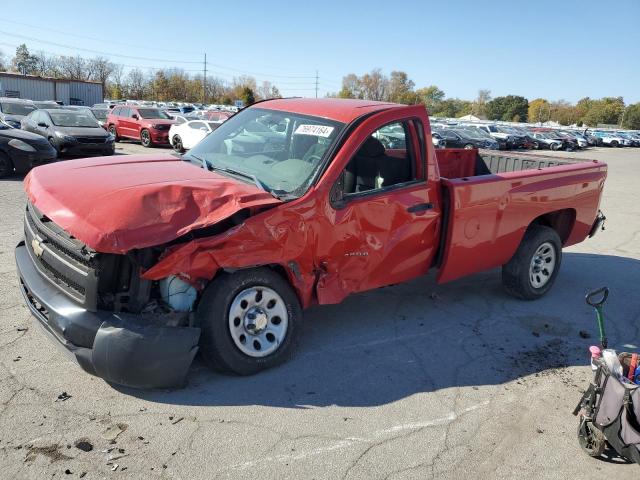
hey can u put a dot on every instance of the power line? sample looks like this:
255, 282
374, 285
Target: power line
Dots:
98, 52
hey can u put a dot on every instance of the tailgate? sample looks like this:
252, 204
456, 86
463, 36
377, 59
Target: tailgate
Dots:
488, 215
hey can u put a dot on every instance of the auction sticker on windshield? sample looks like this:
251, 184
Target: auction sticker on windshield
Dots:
316, 130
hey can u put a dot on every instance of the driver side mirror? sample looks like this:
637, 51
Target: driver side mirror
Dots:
42, 124
135, 116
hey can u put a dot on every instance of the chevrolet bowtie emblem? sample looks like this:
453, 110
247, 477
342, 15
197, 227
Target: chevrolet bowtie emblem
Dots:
37, 247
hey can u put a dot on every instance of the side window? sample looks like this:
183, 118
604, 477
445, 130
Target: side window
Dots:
180, 120
116, 111
385, 159
196, 125
132, 112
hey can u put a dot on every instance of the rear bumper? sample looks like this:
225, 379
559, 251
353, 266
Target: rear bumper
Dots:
120, 348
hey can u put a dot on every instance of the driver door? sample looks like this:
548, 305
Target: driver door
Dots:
382, 214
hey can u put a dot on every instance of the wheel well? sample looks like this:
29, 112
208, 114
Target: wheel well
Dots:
562, 221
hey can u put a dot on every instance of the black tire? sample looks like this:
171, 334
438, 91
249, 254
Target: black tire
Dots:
518, 275
54, 145
177, 144
536, 146
554, 146
114, 131
614, 143
468, 146
217, 347
591, 439
6, 165
145, 138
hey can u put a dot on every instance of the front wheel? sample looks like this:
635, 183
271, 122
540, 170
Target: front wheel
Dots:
145, 138
533, 268
249, 321
113, 131
468, 146
177, 144
6, 165
614, 143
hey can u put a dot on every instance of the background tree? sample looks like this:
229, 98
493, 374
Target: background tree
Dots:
539, 110
632, 117
374, 85
479, 107
431, 97
452, 108
23, 62
400, 88
607, 110
247, 96
564, 113
351, 87
508, 108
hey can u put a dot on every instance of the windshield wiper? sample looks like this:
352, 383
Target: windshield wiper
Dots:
259, 183
203, 162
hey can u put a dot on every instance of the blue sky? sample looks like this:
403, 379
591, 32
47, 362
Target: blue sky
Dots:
551, 49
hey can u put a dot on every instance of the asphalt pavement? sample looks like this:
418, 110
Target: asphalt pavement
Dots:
419, 380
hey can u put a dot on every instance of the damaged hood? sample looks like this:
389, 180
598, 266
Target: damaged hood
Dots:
119, 203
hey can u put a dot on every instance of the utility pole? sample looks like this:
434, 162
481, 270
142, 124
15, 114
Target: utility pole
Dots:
204, 81
316, 83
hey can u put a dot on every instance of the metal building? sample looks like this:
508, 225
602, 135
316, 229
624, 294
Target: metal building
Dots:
69, 92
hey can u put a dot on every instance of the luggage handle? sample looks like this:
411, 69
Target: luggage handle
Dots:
591, 298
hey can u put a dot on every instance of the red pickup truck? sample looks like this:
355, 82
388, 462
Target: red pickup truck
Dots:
134, 263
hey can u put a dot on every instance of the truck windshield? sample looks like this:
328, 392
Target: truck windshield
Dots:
282, 151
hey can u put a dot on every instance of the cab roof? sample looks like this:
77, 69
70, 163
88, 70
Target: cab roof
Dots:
339, 109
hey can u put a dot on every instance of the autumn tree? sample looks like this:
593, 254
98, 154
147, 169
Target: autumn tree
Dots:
631, 118
539, 110
431, 97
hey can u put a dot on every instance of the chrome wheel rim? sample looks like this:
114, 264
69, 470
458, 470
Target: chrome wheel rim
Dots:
145, 138
177, 143
543, 263
258, 321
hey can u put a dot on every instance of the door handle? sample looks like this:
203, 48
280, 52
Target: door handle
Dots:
420, 207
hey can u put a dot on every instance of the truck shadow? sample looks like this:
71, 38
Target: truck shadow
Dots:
386, 345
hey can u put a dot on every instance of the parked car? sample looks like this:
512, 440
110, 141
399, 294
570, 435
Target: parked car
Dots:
219, 251
184, 136
47, 104
20, 150
149, 125
547, 140
609, 139
497, 134
100, 114
459, 138
70, 132
630, 140
13, 110
108, 105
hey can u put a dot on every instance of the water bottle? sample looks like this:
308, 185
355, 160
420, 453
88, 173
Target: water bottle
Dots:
595, 354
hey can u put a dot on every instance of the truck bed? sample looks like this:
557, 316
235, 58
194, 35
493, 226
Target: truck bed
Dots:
489, 200
460, 163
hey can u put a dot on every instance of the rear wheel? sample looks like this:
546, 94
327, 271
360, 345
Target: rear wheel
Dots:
249, 321
145, 138
177, 144
555, 146
534, 267
6, 165
468, 146
614, 143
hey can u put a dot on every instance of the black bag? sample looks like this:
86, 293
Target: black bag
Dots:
617, 413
